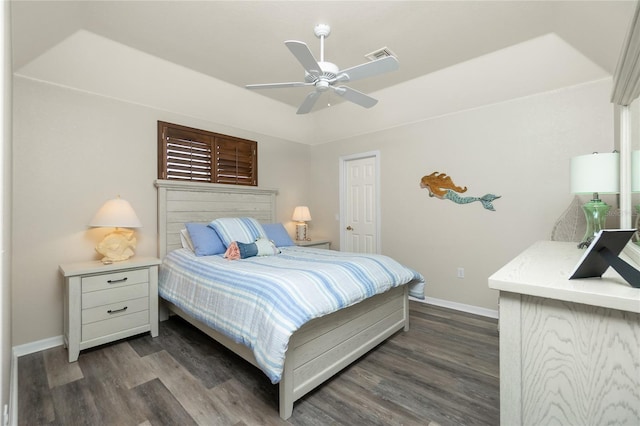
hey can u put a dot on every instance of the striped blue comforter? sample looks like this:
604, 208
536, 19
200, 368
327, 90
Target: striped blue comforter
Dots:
261, 301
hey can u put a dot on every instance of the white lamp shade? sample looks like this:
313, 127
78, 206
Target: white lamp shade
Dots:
116, 213
598, 172
301, 214
635, 171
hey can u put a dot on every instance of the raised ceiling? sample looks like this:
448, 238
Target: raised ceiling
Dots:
242, 42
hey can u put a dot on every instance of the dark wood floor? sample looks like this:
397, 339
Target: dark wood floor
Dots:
444, 371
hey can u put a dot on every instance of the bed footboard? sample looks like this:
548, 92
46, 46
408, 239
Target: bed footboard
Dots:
324, 346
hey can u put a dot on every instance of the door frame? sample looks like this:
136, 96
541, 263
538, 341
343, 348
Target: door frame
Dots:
344, 160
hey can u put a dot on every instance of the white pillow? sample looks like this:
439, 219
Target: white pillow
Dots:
185, 239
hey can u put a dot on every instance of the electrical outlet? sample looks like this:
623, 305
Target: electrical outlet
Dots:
460, 272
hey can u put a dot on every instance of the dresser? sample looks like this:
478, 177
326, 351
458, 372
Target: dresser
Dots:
569, 349
103, 303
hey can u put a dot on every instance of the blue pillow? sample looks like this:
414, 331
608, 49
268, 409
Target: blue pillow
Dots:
277, 234
206, 241
247, 250
240, 229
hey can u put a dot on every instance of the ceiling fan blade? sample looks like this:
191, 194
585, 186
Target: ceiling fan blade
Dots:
355, 96
278, 85
308, 102
369, 69
302, 53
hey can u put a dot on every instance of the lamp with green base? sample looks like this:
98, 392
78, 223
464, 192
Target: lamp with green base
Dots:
595, 174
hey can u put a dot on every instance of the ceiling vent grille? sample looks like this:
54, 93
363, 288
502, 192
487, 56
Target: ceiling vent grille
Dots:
380, 53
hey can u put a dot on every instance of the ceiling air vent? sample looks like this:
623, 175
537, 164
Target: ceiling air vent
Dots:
380, 53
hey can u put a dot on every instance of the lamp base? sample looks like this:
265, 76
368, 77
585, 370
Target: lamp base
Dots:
117, 246
595, 212
301, 232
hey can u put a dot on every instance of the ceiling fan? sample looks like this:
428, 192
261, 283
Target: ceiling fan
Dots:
325, 75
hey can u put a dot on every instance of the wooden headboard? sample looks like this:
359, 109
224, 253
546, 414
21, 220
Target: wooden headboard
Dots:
182, 202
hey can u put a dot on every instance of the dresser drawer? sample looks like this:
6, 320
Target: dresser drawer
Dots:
114, 279
104, 312
114, 295
114, 325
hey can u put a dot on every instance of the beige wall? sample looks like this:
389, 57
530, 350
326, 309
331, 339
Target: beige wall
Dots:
518, 149
75, 150
72, 152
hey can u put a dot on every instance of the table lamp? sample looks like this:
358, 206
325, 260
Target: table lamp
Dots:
595, 174
119, 244
301, 215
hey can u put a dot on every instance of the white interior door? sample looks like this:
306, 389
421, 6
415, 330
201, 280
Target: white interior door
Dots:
360, 204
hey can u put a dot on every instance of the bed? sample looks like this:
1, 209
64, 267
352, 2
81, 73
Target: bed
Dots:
316, 350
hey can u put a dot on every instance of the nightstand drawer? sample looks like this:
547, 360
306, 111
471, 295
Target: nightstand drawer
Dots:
113, 295
114, 325
114, 279
113, 310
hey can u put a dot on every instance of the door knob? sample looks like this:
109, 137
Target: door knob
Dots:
349, 228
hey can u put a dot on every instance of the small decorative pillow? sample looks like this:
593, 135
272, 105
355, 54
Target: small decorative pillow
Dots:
247, 250
266, 247
233, 252
240, 229
276, 233
262, 247
206, 241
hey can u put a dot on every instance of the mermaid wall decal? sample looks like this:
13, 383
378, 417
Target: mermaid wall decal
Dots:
441, 186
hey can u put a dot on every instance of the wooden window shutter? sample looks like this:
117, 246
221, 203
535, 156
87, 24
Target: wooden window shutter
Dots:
235, 161
197, 155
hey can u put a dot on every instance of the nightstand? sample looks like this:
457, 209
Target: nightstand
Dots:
321, 244
104, 303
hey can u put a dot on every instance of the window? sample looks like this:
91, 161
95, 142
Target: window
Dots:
196, 155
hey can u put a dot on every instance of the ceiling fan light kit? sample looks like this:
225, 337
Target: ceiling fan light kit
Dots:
323, 75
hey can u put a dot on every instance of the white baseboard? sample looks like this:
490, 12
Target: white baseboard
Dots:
490, 313
37, 346
16, 352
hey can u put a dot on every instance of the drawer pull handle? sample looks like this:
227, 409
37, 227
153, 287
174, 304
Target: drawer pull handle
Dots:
117, 310
121, 280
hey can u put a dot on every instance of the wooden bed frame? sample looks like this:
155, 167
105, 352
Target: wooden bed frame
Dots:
320, 348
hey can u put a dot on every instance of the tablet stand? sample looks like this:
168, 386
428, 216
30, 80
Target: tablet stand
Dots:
626, 271
603, 252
